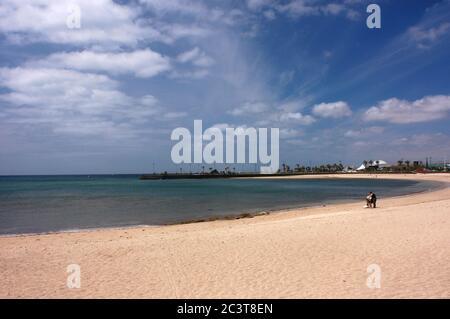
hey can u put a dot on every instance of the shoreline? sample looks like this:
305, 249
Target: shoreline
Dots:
251, 215
313, 252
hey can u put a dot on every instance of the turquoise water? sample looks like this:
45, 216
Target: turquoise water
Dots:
34, 204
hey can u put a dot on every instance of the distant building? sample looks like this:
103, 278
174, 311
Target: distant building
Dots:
361, 168
439, 166
377, 164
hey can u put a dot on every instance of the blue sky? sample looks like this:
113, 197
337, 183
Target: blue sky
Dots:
104, 98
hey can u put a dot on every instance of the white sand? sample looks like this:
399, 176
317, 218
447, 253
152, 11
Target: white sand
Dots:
314, 252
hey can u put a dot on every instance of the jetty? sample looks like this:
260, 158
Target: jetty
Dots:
202, 175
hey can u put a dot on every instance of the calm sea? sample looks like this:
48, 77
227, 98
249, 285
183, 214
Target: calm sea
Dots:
34, 204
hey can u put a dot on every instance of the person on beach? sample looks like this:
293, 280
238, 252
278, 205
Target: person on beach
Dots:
374, 200
368, 200
371, 200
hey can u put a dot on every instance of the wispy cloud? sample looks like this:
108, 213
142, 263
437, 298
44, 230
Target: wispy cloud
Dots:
68, 101
426, 37
249, 108
398, 111
301, 8
284, 115
103, 23
365, 132
142, 63
332, 110
196, 57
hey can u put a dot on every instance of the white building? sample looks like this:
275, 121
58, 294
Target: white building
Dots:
373, 164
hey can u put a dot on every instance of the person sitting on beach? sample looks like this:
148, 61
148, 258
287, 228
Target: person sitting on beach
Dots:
374, 200
368, 200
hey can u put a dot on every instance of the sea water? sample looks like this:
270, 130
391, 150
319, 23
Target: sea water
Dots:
35, 204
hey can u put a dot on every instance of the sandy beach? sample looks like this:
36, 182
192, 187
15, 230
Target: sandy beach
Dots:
319, 252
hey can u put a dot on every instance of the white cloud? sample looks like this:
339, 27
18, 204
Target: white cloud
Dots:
394, 110
203, 61
142, 63
293, 105
103, 22
196, 63
286, 133
332, 110
72, 102
174, 31
333, 8
174, 115
188, 55
300, 8
196, 57
425, 36
352, 133
199, 10
249, 108
269, 14
193, 75
365, 132
255, 5
149, 100
266, 114
421, 140
185, 7
297, 117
